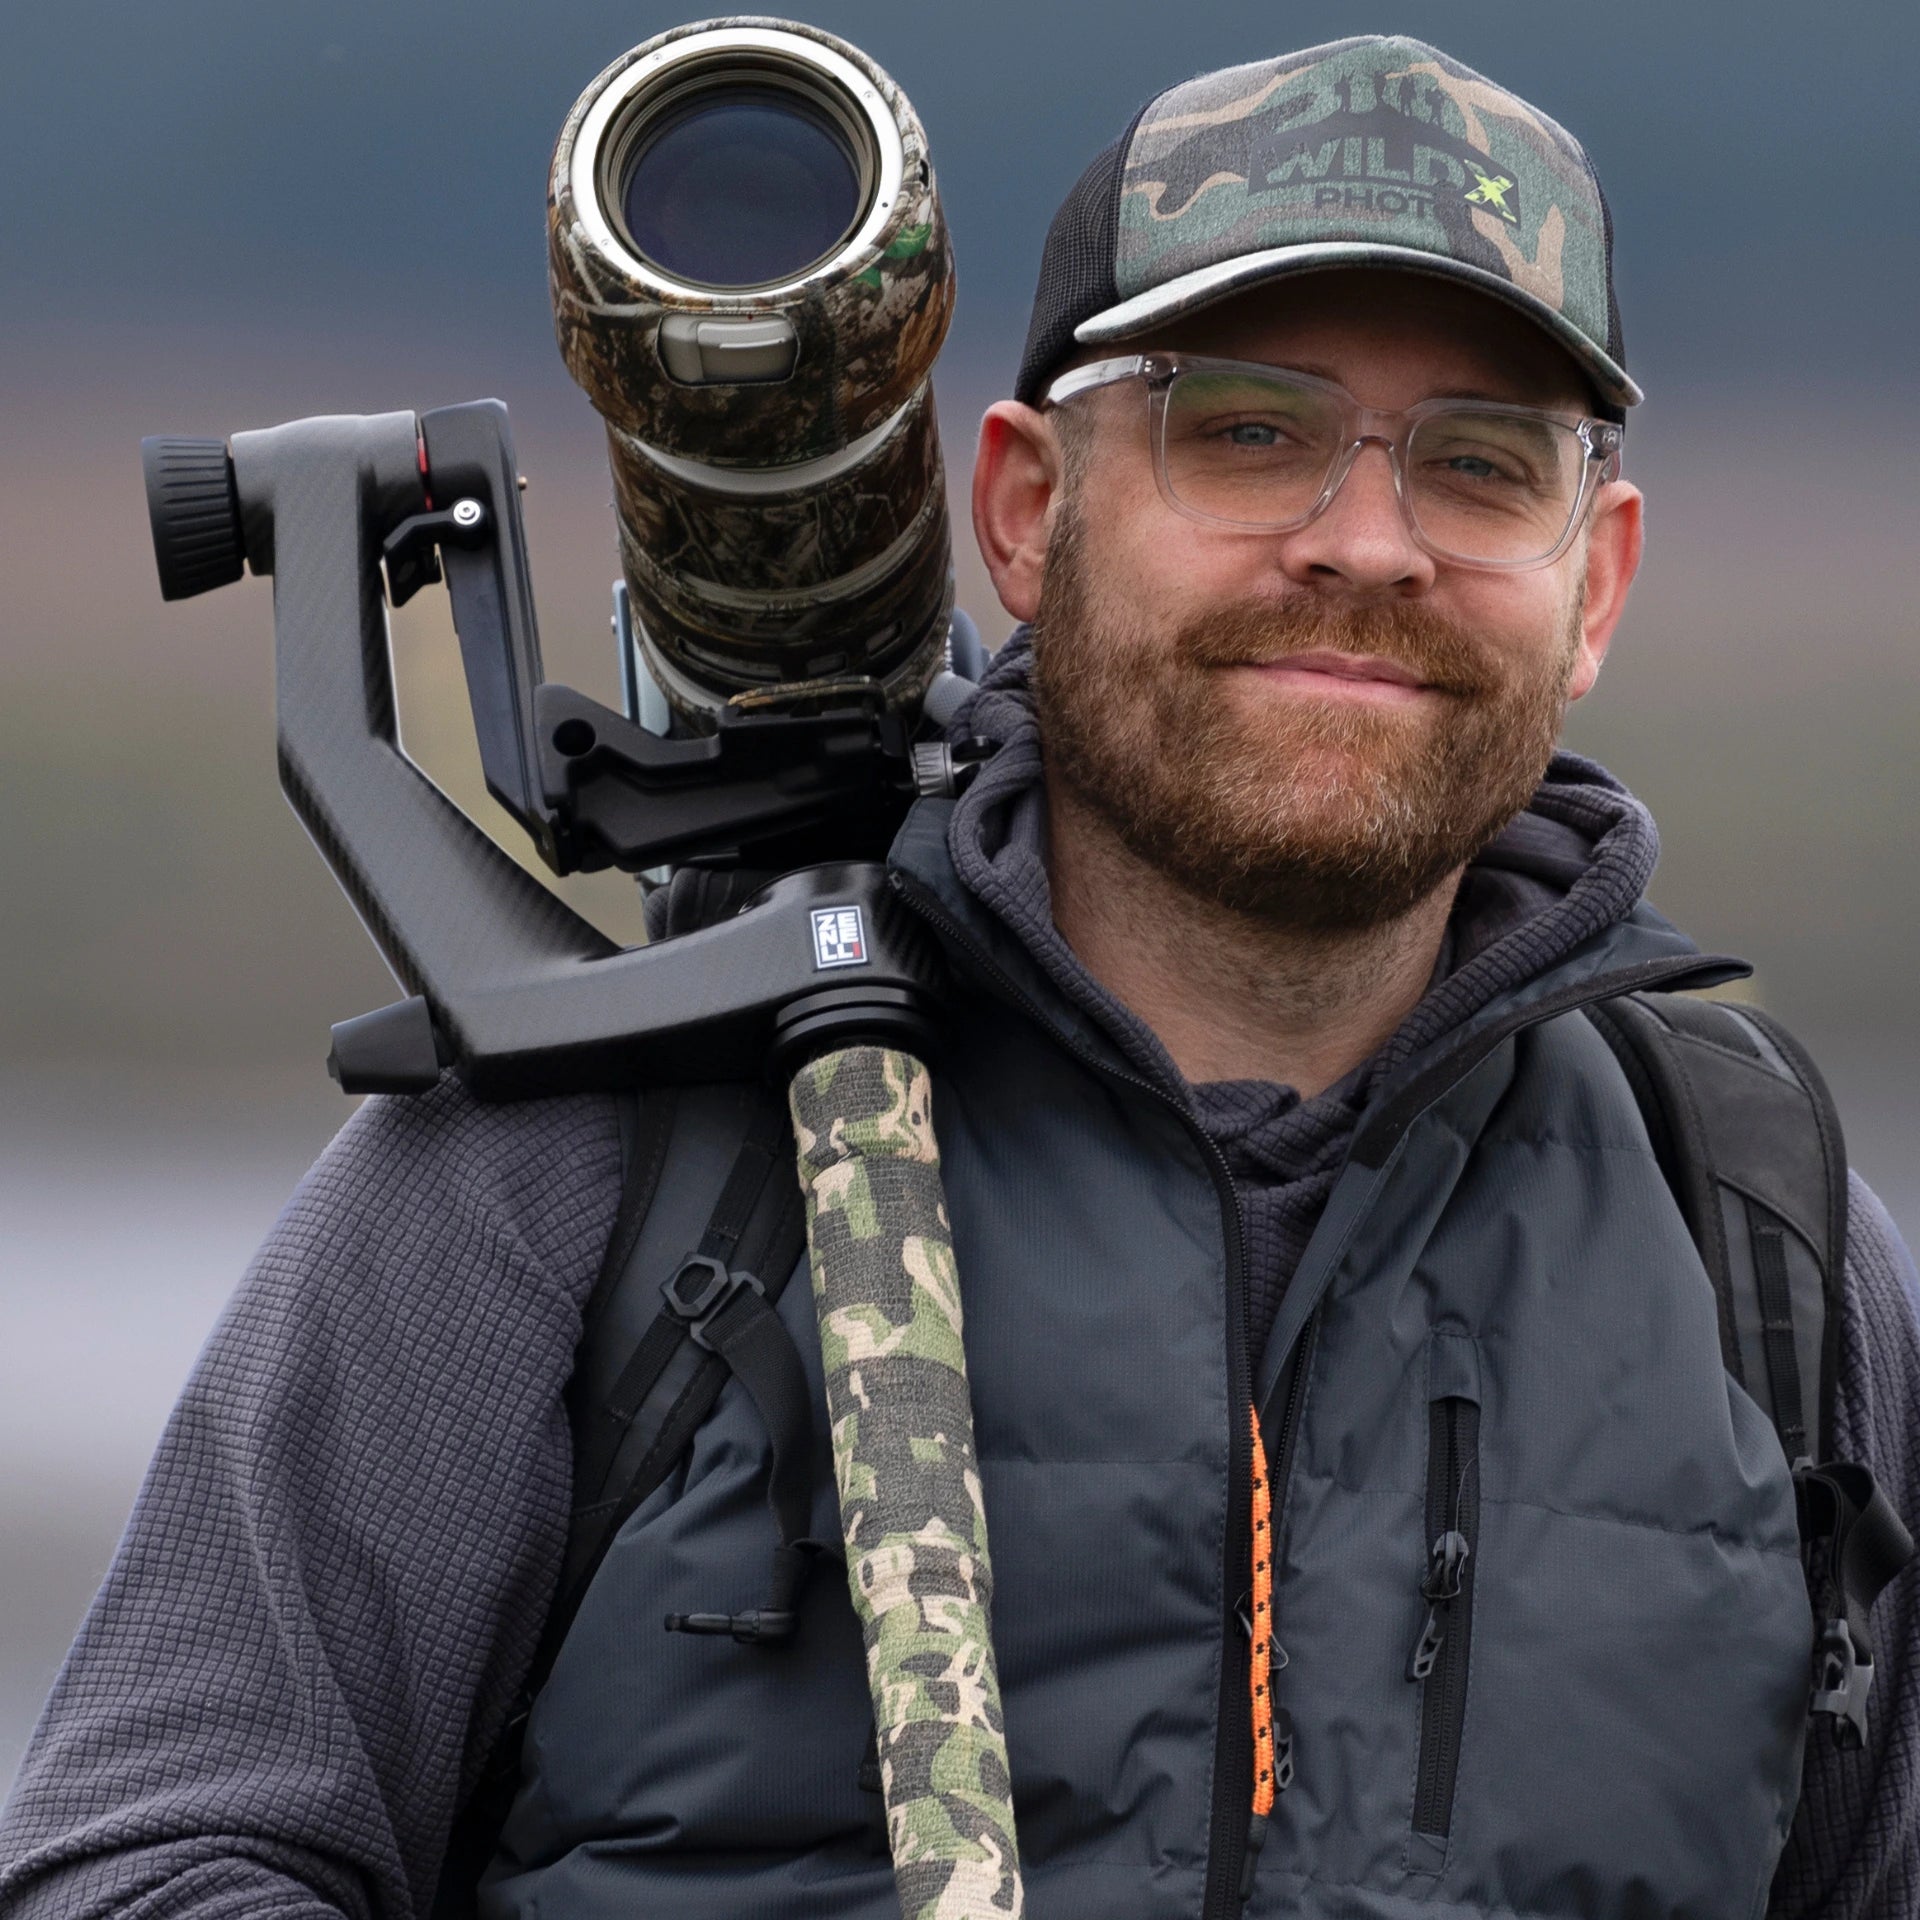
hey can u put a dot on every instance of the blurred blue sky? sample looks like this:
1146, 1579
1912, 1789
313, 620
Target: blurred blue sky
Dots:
380, 163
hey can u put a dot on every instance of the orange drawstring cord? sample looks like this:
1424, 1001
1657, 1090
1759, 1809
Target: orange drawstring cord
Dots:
1261, 1661
1260, 1666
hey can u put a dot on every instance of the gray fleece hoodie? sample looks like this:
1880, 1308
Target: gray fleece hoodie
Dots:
336, 1572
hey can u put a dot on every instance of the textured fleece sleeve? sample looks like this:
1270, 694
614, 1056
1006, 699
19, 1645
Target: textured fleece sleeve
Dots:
1854, 1853
338, 1566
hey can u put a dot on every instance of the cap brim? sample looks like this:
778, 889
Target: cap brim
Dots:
1205, 285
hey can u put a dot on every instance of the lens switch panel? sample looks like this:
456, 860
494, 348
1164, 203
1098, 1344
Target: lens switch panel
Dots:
737, 350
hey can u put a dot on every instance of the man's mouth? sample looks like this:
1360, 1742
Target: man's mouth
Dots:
1328, 674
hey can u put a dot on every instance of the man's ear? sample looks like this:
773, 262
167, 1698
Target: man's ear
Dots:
1614, 543
1017, 472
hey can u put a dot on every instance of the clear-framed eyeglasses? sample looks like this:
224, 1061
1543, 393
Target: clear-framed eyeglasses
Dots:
1240, 444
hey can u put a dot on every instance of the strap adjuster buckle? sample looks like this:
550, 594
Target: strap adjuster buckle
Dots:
1842, 1679
700, 1289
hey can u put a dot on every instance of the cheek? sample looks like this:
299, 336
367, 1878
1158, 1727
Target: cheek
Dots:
1529, 622
1162, 568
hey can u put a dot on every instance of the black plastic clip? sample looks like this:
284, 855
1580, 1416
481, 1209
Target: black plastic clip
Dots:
760, 1626
700, 1291
1842, 1679
409, 549
757, 1625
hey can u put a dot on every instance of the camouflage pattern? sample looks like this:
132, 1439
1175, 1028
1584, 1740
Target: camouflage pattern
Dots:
850, 574
845, 573
888, 1298
1371, 144
868, 334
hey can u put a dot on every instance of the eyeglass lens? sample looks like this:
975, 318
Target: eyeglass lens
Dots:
1481, 485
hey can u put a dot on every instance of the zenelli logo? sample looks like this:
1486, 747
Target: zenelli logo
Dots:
839, 938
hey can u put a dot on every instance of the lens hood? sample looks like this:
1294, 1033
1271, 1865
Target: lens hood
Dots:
761, 375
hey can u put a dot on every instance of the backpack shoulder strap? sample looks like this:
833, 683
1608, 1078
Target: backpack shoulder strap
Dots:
1750, 1143
661, 1332
680, 1307
1748, 1138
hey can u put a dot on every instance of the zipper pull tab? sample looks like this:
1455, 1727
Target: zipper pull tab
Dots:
1426, 1650
1445, 1568
1282, 1749
1258, 1825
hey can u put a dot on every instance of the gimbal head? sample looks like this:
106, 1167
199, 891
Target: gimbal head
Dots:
763, 362
512, 987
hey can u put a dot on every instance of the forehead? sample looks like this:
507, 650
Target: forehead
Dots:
1391, 337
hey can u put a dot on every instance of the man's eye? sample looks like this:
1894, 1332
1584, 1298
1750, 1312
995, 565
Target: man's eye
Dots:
1261, 435
1487, 465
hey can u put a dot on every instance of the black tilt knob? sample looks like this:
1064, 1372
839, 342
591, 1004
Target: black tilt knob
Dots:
195, 513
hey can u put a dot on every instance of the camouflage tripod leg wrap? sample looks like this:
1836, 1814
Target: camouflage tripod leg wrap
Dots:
888, 1297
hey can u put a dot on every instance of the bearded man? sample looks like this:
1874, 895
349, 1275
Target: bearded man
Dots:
1377, 1527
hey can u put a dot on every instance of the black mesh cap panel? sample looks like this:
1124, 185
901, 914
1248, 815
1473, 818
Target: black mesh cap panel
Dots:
1076, 266
1616, 339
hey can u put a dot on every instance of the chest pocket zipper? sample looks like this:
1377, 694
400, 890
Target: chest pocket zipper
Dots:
1439, 1662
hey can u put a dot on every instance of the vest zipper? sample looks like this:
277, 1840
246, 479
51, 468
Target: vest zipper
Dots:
1442, 1653
1233, 1754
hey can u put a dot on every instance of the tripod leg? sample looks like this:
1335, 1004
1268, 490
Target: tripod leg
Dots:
888, 1299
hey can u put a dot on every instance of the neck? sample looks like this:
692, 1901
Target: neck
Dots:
1233, 996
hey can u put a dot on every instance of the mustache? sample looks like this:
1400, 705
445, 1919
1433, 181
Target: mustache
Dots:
1443, 654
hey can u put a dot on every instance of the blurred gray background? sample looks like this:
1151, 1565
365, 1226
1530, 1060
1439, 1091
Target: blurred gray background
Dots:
217, 215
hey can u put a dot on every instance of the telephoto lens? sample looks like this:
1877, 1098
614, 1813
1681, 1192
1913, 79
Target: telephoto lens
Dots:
751, 280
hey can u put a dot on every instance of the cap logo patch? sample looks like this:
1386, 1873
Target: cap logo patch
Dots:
1492, 192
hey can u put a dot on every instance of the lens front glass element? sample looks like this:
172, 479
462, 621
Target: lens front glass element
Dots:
741, 186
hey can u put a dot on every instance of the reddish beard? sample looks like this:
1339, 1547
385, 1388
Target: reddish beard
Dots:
1326, 816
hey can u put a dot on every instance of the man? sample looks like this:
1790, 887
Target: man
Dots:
1270, 1104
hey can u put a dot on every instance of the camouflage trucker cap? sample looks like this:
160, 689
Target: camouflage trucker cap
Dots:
1375, 151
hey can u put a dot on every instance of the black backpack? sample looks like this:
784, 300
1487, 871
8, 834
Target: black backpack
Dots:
1750, 1143
1744, 1130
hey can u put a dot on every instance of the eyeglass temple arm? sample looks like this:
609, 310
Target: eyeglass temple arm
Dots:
1097, 373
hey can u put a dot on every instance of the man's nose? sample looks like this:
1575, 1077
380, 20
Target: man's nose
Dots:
1361, 539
